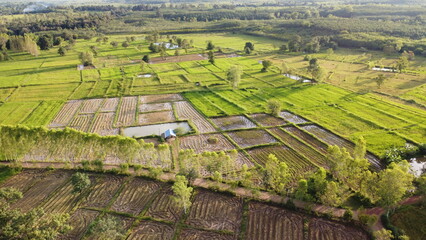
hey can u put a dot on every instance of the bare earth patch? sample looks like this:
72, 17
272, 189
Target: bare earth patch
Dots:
156, 117
233, 122
249, 138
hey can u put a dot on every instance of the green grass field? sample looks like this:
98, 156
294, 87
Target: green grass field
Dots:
33, 89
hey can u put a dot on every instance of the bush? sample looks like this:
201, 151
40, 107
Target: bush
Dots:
137, 167
348, 215
99, 164
124, 168
367, 219
212, 140
290, 204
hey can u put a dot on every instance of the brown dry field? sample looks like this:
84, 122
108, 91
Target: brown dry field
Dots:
212, 215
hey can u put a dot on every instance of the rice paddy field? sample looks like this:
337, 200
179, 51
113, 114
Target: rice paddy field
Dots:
117, 92
145, 210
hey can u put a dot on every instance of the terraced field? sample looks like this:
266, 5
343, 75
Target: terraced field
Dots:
212, 215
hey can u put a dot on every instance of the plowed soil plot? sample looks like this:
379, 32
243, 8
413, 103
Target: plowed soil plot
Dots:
62, 200
43, 188
90, 105
102, 192
249, 138
215, 212
153, 107
79, 221
300, 147
267, 120
186, 112
126, 114
135, 195
206, 142
233, 122
65, 115
332, 139
164, 207
243, 159
288, 116
270, 223
156, 117
23, 180
109, 105
152, 231
102, 124
321, 229
82, 122
320, 146
193, 234
160, 98
297, 165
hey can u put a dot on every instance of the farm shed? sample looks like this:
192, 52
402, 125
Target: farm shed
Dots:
168, 134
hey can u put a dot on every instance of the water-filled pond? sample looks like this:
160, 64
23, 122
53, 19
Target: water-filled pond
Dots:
418, 166
297, 78
156, 129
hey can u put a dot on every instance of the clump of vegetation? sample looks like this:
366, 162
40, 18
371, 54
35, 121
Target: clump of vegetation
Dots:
80, 182
212, 140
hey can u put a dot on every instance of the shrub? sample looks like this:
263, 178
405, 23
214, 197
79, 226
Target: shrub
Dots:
124, 168
212, 140
348, 215
367, 219
99, 164
137, 167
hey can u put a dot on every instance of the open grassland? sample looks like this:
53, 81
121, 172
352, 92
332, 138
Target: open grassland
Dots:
145, 210
349, 68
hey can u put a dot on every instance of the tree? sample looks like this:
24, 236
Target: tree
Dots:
182, 192
247, 50
317, 183
114, 44
276, 174
266, 64
334, 195
80, 182
302, 191
360, 148
380, 79
330, 51
274, 107
234, 75
145, 58
45, 42
35, 224
246, 176
62, 51
402, 63
108, 227
86, 58
210, 45
249, 45
393, 183
284, 68
125, 44
283, 48
211, 57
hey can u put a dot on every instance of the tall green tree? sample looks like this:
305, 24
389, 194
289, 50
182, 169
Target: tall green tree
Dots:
277, 174
211, 57
266, 64
393, 183
210, 45
182, 192
274, 107
234, 75
86, 58
402, 63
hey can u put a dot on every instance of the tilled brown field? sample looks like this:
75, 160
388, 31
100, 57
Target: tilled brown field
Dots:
135, 196
270, 223
211, 216
208, 210
204, 142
